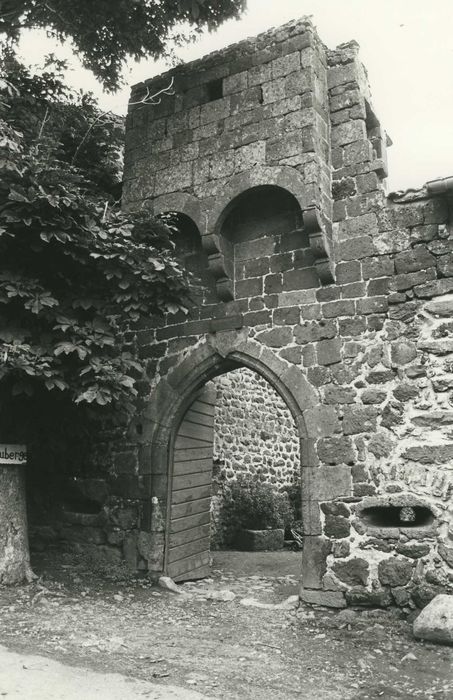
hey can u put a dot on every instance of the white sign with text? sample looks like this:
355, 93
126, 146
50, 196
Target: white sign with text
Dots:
13, 454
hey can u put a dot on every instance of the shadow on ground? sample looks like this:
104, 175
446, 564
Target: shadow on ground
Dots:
221, 647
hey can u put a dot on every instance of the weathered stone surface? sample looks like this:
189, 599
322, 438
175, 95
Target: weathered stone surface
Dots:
406, 392
335, 508
169, 585
329, 599
354, 571
373, 396
361, 597
313, 331
331, 583
403, 352
337, 526
348, 132
437, 347
423, 593
441, 307
430, 454
413, 549
331, 483
352, 326
401, 596
277, 337
436, 576
443, 383
341, 549
432, 289
435, 622
446, 553
378, 544
328, 351
380, 376
419, 258
433, 419
395, 571
334, 394
304, 393
336, 450
364, 489
314, 566
393, 414
359, 419
321, 420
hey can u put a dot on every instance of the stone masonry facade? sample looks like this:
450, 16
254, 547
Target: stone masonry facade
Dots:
340, 296
254, 431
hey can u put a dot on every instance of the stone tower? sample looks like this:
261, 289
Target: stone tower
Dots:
273, 159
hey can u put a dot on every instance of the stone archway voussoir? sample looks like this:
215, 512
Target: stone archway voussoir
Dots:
303, 392
158, 410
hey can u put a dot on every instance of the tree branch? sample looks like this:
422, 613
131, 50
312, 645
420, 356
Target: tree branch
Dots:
151, 99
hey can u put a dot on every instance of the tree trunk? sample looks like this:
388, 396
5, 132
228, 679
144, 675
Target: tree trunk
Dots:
14, 553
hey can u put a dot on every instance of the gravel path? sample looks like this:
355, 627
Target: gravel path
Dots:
230, 637
40, 678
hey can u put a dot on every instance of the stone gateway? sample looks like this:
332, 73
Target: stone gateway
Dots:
341, 297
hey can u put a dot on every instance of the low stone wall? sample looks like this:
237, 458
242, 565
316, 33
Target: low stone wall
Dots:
89, 519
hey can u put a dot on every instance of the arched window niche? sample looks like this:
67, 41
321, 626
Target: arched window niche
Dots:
187, 240
263, 244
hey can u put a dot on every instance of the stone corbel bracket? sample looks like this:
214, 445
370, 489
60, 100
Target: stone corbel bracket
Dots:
220, 261
313, 226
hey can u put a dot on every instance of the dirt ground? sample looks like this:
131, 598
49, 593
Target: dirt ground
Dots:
214, 638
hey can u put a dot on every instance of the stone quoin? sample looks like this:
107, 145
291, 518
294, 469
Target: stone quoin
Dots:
339, 296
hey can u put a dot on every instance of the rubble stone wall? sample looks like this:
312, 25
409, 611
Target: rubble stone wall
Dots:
254, 431
345, 302
255, 436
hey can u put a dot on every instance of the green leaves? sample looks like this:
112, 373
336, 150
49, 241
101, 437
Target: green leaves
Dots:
75, 272
38, 302
67, 347
106, 33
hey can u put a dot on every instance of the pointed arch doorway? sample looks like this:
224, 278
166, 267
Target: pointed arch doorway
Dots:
190, 460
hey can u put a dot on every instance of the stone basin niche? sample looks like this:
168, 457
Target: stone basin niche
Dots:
392, 515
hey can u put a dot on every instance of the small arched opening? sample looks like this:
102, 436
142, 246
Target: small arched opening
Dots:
262, 234
186, 238
265, 210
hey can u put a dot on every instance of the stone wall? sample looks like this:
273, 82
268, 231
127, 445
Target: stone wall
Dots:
341, 297
254, 435
254, 431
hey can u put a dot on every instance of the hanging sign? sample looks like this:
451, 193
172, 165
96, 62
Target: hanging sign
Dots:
13, 454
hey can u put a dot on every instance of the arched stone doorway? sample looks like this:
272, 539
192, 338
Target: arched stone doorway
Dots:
182, 393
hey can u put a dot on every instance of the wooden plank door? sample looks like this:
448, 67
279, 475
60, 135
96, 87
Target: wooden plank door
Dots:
188, 540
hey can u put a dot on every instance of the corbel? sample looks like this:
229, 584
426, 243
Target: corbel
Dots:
221, 265
314, 228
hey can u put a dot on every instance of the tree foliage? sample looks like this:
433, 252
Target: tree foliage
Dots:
75, 271
106, 32
41, 107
